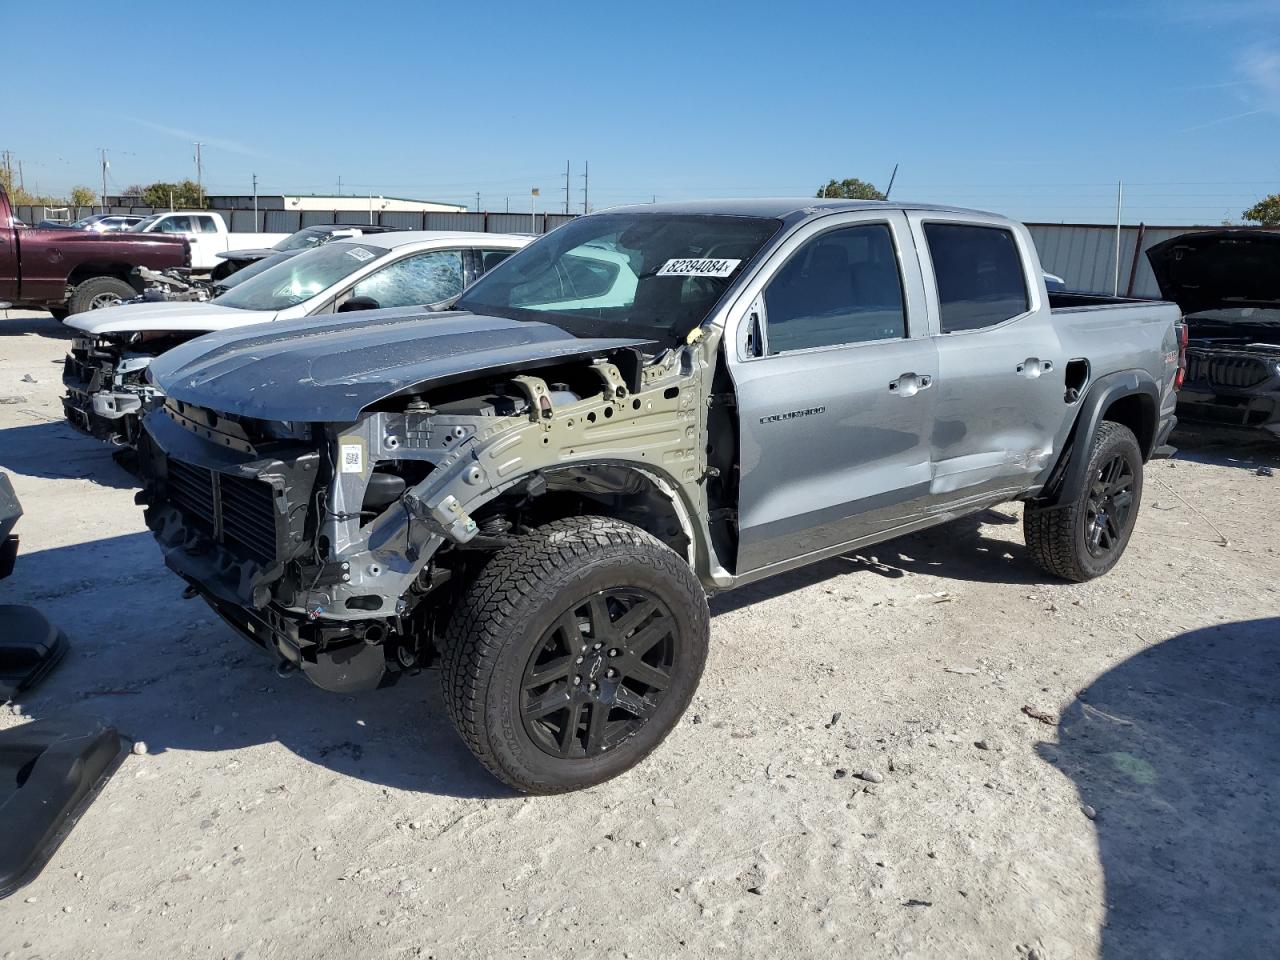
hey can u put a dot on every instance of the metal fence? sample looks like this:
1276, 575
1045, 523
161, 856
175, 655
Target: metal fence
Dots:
288, 221
1084, 254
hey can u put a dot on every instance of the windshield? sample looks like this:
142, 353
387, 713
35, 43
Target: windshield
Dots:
300, 278
141, 225
305, 239
626, 274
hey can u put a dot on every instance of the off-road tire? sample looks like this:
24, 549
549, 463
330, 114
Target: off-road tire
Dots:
58, 313
505, 615
1056, 537
83, 296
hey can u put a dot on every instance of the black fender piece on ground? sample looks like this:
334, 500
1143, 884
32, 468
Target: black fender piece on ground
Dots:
30, 646
50, 771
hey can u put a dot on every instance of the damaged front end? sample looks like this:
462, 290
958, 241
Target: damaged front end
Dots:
107, 389
339, 548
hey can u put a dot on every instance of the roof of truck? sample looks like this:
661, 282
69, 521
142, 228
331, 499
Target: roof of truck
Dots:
783, 207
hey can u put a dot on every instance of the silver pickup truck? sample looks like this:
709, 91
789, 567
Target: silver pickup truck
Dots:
542, 484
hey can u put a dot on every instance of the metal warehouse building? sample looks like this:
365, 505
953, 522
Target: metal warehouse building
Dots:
1084, 254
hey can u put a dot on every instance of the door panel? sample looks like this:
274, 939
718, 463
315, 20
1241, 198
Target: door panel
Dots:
828, 452
833, 436
1000, 364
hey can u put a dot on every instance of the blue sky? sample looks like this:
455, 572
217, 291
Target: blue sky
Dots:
1030, 109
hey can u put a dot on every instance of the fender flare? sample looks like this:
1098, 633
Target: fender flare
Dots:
1068, 476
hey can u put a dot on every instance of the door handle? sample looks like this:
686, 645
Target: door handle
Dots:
1032, 367
909, 384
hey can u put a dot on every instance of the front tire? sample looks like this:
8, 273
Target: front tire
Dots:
98, 292
1084, 539
574, 653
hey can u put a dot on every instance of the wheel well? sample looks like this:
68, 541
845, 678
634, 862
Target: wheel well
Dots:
87, 271
605, 490
1137, 411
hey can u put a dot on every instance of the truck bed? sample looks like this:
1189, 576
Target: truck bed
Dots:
1059, 301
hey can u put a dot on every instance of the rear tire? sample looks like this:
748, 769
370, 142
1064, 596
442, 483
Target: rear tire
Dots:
98, 292
1084, 539
548, 695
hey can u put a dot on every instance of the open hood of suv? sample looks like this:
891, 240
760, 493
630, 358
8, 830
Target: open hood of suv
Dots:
328, 369
1219, 269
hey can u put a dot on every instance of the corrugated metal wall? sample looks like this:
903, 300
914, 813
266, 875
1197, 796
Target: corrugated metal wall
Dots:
1084, 254
287, 221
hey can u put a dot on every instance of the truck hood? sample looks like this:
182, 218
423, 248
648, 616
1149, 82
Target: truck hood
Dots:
330, 369
146, 317
1219, 269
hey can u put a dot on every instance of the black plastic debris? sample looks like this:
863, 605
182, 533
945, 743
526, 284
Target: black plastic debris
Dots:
10, 511
50, 771
30, 646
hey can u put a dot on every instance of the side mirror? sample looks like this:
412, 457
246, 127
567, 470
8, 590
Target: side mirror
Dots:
359, 303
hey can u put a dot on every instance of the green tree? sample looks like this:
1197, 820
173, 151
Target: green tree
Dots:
850, 189
1266, 211
83, 197
163, 194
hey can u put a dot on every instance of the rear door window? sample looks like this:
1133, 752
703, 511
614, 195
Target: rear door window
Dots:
491, 258
979, 275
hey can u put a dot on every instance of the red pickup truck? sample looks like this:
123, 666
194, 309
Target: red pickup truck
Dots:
70, 271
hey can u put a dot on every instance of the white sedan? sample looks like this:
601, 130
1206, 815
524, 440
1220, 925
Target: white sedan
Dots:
104, 374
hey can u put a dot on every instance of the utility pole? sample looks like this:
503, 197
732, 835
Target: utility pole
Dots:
105, 165
199, 175
256, 224
566, 186
533, 210
477, 201
1119, 208
339, 184
586, 174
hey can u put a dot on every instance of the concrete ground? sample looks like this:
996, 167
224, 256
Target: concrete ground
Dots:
1051, 771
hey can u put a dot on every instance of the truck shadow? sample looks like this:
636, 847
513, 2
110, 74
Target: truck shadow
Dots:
56, 451
38, 324
1178, 751
170, 673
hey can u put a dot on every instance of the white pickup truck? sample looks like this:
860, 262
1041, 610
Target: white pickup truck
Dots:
207, 232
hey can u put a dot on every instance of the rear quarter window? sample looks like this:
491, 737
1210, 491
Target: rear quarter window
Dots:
979, 275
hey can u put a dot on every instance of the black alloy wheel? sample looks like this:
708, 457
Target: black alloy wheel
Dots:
1109, 505
599, 673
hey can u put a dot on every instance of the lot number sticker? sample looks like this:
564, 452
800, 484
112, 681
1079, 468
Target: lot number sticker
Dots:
360, 253
352, 458
701, 267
